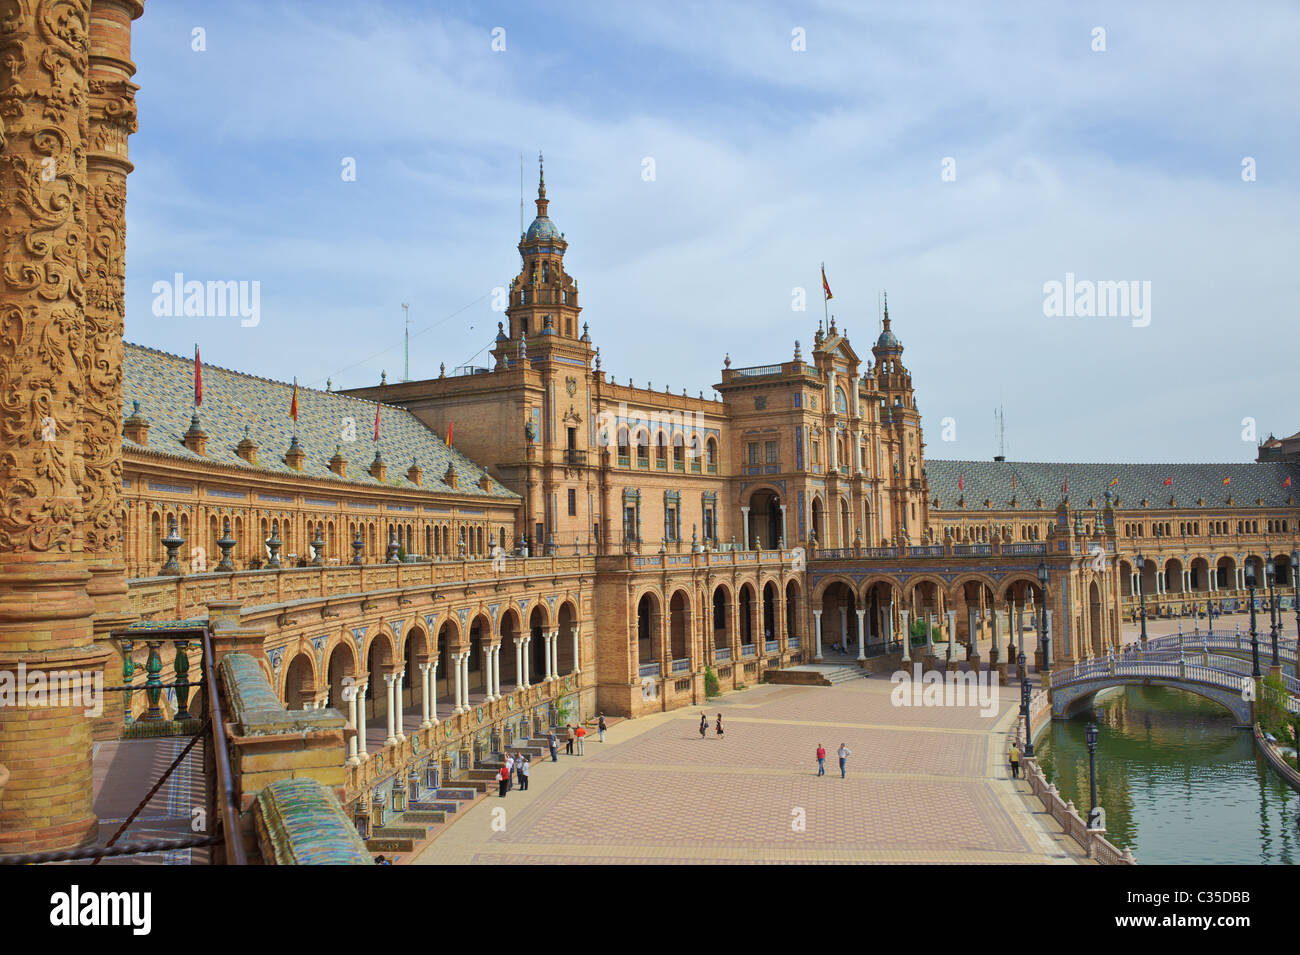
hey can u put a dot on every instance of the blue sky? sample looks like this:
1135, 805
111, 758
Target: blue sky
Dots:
1115, 165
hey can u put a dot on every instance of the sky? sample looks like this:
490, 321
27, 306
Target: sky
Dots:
705, 160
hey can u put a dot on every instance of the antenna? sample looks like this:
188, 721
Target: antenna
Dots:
406, 310
521, 192
1000, 416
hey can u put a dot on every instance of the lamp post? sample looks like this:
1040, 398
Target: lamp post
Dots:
1295, 580
1142, 599
1042, 630
1094, 814
1024, 703
1254, 637
1270, 574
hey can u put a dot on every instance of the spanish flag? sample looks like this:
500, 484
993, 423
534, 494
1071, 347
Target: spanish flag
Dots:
1113, 482
449, 434
1287, 482
293, 405
826, 289
376, 424
960, 482
1227, 481
198, 378
1169, 482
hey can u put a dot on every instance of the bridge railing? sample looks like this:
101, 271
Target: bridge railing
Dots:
1093, 841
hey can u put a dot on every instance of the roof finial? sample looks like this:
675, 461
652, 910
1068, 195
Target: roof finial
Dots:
541, 185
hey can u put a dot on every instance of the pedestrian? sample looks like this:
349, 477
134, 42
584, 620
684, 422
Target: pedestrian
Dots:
718, 726
704, 726
554, 744
844, 754
523, 775
1015, 761
568, 745
510, 772
579, 734
821, 760
503, 781
601, 727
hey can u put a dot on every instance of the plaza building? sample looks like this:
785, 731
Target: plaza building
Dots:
379, 612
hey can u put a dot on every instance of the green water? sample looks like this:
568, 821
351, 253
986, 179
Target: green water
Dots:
1179, 783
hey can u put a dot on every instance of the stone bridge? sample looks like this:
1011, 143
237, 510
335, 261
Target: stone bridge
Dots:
1224, 679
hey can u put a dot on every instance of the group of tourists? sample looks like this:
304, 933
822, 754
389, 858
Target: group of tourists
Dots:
704, 726
515, 768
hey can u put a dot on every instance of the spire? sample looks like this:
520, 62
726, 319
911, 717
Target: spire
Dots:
541, 186
886, 318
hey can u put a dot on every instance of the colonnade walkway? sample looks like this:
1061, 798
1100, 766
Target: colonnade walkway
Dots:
926, 784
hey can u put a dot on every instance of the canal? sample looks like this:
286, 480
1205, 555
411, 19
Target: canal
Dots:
1178, 782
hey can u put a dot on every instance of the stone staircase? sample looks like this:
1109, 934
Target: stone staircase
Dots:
405, 833
817, 674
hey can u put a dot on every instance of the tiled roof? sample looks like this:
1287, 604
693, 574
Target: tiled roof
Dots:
991, 480
164, 386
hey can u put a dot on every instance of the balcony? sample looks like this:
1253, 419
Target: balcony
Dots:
575, 458
770, 646
650, 670
722, 654
682, 666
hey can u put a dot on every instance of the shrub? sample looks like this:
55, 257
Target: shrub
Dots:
711, 682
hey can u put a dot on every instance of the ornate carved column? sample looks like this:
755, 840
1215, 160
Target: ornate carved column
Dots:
45, 608
111, 117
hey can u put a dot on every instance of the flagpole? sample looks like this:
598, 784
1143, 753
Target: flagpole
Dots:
826, 308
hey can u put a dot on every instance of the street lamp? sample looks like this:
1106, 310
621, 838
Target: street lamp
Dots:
1270, 572
1042, 631
1295, 580
1024, 703
1094, 814
1142, 600
1254, 638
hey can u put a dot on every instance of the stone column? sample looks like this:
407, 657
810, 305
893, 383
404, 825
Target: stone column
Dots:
554, 645
520, 677
361, 720
785, 529
353, 758
433, 692
425, 722
528, 661
576, 658
397, 709
817, 636
952, 640
496, 670
111, 118
390, 680
46, 603
744, 538
905, 633
485, 664
457, 659
844, 628
862, 635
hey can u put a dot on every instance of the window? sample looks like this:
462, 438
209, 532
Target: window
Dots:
573, 502
814, 452
712, 450
841, 402
751, 453
769, 452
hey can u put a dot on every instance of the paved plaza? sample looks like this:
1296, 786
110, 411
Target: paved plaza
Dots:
925, 785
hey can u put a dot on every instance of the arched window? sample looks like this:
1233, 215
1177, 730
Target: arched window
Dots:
711, 455
679, 455
623, 451
643, 448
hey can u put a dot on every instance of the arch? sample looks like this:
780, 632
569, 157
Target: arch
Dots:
818, 530
720, 623
299, 690
648, 614
1173, 576
793, 615
341, 672
510, 631
566, 620
838, 604
480, 638
679, 626
1125, 578
538, 624
767, 619
1225, 572
765, 522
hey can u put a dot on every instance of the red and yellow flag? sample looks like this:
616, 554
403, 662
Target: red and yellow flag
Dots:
826, 289
1113, 482
1287, 482
293, 405
376, 423
1227, 481
198, 378
1169, 482
449, 434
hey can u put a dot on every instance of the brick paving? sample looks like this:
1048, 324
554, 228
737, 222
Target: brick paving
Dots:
925, 785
